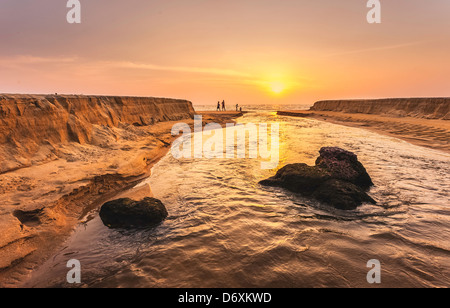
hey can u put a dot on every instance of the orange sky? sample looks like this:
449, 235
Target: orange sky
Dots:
242, 51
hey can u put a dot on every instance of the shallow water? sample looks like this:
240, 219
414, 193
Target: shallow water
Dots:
225, 230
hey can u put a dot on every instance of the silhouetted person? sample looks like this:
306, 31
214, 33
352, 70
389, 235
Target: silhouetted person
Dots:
218, 106
237, 107
223, 106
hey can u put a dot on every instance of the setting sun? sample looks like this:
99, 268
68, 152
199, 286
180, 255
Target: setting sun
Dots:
224, 145
277, 87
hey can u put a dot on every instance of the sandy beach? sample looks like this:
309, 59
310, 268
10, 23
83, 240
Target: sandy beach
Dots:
218, 214
224, 145
431, 133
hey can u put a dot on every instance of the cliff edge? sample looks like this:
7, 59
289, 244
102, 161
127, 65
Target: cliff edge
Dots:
64, 155
32, 126
427, 108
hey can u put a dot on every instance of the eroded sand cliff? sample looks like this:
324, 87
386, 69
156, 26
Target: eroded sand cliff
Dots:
62, 156
427, 108
33, 126
421, 121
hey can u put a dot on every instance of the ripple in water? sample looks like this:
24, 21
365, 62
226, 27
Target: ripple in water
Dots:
225, 230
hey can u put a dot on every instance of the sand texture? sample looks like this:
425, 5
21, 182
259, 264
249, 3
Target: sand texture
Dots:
424, 122
424, 108
32, 126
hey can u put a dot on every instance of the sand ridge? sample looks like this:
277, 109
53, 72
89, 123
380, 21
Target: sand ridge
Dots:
425, 107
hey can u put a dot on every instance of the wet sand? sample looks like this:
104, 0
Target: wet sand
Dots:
428, 133
229, 114
43, 203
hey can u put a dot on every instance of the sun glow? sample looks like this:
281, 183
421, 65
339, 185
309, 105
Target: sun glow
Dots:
277, 87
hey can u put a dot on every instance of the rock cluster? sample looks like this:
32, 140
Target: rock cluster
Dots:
338, 179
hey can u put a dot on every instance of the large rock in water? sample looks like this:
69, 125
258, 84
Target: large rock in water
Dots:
343, 165
299, 178
127, 213
338, 179
342, 195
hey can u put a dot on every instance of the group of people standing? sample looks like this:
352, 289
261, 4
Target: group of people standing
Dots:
223, 108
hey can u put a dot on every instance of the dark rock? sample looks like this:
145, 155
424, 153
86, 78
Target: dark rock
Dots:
343, 165
299, 178
338, 179
127, 213
342, 195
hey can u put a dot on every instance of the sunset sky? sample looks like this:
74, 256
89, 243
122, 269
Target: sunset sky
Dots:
242, 51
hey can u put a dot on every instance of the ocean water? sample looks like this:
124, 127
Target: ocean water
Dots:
225, 230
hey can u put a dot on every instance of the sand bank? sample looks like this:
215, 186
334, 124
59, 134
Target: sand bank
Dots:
424, 108
431, 133
224, 114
